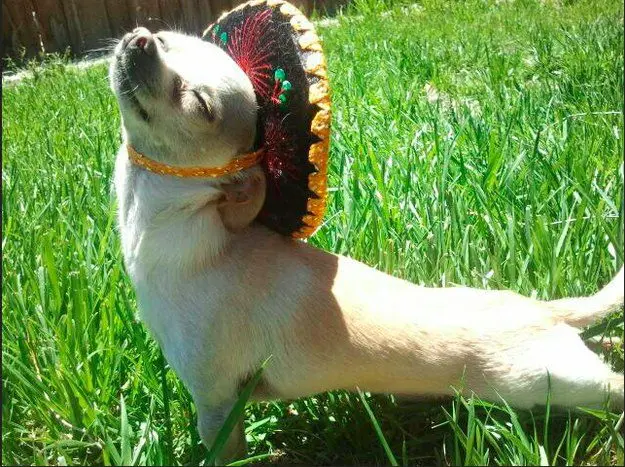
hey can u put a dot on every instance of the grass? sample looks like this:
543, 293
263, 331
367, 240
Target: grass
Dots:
475, 142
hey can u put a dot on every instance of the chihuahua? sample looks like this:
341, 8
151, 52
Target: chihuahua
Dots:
220, 293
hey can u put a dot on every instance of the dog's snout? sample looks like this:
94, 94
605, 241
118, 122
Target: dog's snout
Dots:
137, 63
142, 40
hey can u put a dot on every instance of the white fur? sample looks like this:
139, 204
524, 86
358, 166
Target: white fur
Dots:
219, 300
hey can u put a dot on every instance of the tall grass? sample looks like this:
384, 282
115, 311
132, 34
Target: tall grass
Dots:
474, 142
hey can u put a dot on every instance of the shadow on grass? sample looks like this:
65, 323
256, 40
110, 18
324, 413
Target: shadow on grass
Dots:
335, 428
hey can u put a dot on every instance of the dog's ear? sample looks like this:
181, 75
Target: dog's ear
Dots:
242, 201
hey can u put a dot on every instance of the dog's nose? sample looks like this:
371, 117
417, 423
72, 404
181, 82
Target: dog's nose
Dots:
143, 40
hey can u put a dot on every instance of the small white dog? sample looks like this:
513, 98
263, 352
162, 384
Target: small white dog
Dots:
221, 293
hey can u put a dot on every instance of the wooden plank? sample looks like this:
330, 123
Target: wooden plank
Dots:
52, 25
220, 6
171, 15
24, 31
206, 14
146, 13
74, 28
119, 17
191, 17
7, 33
94, 25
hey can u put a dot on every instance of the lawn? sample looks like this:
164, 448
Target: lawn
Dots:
474, 142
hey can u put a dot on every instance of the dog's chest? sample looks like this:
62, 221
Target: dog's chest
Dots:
194, 323
163, 223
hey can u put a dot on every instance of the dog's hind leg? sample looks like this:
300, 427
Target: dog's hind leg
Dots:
558, 361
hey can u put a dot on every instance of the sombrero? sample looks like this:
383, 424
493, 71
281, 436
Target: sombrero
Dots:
278, 49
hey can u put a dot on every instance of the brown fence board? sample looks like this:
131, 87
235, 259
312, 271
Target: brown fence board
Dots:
70, 7
170, 15
52, 24
220, 6
206, 15
24, 34
190, 16
146, 13
119, 16
7, 31
95, 24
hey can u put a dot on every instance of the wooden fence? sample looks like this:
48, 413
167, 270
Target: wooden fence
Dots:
83, 26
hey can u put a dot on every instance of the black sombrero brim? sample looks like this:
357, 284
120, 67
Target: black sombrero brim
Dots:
278, 49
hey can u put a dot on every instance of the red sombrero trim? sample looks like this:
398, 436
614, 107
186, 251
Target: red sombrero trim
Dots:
318, 95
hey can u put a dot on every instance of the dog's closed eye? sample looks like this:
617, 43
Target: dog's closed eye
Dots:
161, 42
203, 103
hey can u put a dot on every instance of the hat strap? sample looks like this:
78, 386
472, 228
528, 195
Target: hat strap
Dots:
241, 162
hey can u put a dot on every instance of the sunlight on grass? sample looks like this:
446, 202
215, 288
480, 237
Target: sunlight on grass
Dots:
476, 143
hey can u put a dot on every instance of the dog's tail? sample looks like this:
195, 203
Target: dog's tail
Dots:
582, 311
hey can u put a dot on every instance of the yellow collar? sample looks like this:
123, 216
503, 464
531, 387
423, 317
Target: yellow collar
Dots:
242, 162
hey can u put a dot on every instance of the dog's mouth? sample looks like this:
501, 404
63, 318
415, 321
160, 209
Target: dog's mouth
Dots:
128, 89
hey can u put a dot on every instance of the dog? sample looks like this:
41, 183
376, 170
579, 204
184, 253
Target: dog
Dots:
220, 293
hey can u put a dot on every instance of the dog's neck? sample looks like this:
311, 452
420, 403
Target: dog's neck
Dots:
176, 224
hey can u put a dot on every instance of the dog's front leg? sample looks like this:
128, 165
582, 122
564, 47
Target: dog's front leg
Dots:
211, 418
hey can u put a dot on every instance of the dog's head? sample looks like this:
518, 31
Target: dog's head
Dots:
183, 100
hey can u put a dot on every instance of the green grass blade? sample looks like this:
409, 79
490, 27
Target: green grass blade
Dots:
378, 430
235, 415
